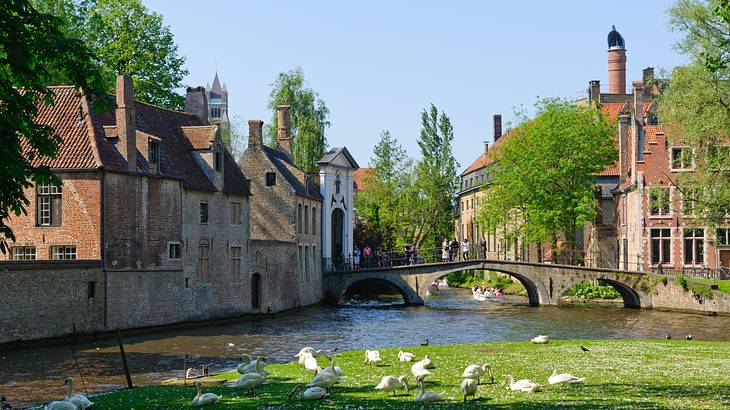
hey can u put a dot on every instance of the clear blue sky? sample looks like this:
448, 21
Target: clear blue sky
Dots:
378, 64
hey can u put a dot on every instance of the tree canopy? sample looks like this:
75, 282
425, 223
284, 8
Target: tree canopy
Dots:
34, 46
308, 117
542, 181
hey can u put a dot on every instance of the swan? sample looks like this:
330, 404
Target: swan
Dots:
245, 361
249, 381
564, 378
419, 371
392, 383
406, 356
204, 399
255, 366
469, 387
372, 356
522, 385
427, 363
333, 368
60, 405
475, 371
310, 363
79, 400
327, 377
540, 339
427, 395
312, 393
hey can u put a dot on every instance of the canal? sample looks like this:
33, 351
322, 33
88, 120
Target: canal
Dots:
36, 375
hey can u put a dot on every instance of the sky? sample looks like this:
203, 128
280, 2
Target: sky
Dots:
379, 64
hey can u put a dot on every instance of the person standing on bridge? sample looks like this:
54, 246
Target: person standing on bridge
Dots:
483, 245
367, 254
445, 251
465, 249
356, 257
453, 250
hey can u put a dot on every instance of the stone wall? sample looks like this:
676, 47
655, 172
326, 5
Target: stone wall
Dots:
40, 299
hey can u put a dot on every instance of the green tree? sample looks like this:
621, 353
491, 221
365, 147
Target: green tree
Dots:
130, 39
32, 46
695, 108
542, 184
308, 116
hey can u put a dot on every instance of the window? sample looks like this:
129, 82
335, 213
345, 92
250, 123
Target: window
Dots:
19, 253
306, 219
659, 201
270, 178
91, 290
717, 157
681, 158
300, 262
203, 252
235, 213
694, 241
299, 218
48, 205
154, 152
236, 260
218, 158
215, 113
174, 250
723, 236
661, 246
203, 212
689, 200
314, 220
63, 252
306, 263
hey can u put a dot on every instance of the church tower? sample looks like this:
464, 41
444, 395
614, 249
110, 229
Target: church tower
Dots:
217, 103
616, 63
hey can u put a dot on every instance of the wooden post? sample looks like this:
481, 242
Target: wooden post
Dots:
124, 359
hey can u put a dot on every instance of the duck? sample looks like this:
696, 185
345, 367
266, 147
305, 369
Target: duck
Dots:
419, 371
406, 356
372, 356
79, 400
312, 393
427, 396
469, 388
523, 385
564, 378
204, 399
427, 363
392, 383
249, 381
474, 371
60, 405
245, 361
540, 339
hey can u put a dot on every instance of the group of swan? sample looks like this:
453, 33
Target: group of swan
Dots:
71, 401
472, 375
528, 386
323, 378
253, 373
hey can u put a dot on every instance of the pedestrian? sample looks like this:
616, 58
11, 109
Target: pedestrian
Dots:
445, 251
453, 250
356, 257
366, 252
483, 245
465, 249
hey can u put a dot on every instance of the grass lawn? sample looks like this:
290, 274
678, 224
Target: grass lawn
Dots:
621, 374
722, 285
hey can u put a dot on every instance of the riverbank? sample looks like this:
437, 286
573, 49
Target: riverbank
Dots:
620, 374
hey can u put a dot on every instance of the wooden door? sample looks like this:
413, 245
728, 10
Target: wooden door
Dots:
725, 258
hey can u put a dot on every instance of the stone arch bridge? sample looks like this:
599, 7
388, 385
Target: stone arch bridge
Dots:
545, 283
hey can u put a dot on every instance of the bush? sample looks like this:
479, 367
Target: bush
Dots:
700, 290
663, 279
585, 290
682, 281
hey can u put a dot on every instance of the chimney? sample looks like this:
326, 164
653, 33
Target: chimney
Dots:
638, 100
497, 122
196, 103
623, 145
594, 91
486, 147
283, 132
254, 133
648, 75
126, 124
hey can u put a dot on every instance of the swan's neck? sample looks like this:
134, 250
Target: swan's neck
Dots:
200, 391
70, 388
555, 372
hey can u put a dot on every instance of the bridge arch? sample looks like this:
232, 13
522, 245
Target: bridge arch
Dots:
533, 295
410, 297
630, 296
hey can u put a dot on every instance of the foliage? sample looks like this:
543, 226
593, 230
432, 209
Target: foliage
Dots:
584, 290
696, 105
32, 45
620, 374
366, 234
308, 116
682, 281
700, 290
663, 279
234, 136
130, 39
542, 185
722, 285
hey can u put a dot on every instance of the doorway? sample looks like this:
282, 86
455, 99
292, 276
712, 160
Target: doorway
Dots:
256, 291
338, 219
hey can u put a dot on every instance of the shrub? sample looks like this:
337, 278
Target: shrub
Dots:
584, 290
700, 290
663, 279
682, 281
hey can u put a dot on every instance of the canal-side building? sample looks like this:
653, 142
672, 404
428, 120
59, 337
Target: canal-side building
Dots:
149, 225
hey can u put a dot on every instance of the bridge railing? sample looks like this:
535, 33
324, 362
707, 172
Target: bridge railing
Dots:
379, 259
693, 272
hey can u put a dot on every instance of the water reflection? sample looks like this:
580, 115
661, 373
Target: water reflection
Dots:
451, 317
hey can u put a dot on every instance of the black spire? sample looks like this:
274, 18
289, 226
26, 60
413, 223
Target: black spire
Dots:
615, 41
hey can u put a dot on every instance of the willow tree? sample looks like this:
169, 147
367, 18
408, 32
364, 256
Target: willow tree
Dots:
542, 184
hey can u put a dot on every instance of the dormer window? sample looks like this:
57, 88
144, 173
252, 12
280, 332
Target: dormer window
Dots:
154, 152
218, 158
215, 113
270, 178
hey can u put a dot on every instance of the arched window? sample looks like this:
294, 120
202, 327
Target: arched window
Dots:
203, 259
306, 219
314, 220
256, 291
299, 218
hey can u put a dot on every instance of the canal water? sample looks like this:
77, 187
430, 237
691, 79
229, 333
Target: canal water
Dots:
36, 375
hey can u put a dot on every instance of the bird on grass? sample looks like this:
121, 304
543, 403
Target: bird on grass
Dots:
424, 343
372, 357
392, 383
427, 396
583, 349
540, 339
406, 356
523, 385
564, 378
475, 371
78, 400
204, 399
249, 381
469, 388
688, 337
669, 337
312, 393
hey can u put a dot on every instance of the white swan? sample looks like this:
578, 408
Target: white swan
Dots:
60, 405
392, 383
474, 371
427, 363
427, 395
540, 339
312, 393
310, 363
564, 378
326, 377
523, 385
372, 356
249, 381
245, 361
469, 388
204, 399
406, 356
419, 371
255, 366
78, 400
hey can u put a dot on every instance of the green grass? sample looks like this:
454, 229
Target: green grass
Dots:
621, 374
722, 285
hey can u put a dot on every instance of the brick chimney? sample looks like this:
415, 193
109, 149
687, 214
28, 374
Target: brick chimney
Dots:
617, 71
283, 131
497, 123
486, 147
254, 133
638, 134
126, 124
196, 103
623, 145
648, 75
594, 91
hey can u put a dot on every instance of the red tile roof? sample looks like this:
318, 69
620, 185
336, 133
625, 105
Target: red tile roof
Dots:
360, 178
485, 159
200, 136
